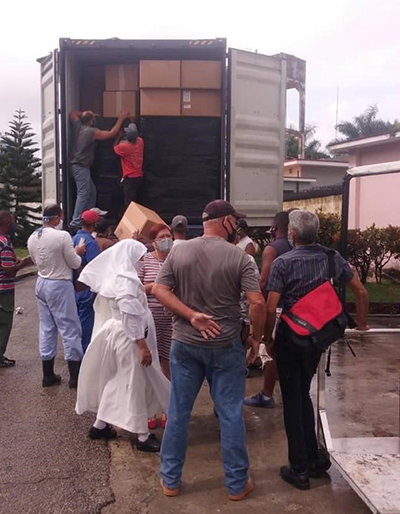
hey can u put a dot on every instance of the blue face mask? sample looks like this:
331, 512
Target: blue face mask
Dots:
13, 229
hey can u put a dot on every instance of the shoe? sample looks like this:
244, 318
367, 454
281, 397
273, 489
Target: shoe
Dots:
298, 480
105, 433
258, 400
49, 377
151, 445
152, 423
7, 363
318, 468
163, 420
74, 367
167, 491
241, 496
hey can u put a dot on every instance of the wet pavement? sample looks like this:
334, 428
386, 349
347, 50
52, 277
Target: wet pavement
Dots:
47, 464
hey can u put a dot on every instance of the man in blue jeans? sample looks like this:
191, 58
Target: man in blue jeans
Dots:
84, 135
201, 282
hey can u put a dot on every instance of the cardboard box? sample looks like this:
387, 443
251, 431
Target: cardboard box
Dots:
116, 101
160, 102
160, 74
201, 102
137, 218
122, 77
201, 74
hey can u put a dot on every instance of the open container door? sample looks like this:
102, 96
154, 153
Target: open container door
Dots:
50, 129
256, 142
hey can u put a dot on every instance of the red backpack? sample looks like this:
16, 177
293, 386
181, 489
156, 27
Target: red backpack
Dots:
318, 319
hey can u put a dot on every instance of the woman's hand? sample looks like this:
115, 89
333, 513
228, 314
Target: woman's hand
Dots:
145, 355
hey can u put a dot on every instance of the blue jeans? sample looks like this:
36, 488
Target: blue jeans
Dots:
84, 303
86, 192
224, 369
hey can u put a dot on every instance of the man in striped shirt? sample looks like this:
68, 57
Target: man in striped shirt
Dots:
9, 266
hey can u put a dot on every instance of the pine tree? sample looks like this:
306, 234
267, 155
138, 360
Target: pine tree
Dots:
20, 179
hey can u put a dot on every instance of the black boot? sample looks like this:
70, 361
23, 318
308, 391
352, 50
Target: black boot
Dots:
298, 480
49, 377
73, 367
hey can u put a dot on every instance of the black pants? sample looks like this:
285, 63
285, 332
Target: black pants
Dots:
131, 189
296, 368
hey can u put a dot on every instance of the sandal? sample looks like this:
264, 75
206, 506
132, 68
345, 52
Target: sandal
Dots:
152, 423
7, 363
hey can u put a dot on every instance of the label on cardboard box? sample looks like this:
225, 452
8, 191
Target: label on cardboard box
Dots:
186, 96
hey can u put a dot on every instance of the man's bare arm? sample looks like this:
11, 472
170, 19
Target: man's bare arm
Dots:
272, 305
103, 135
361, 301
268, 257
75, 116
201, 322
250, 250
257, 320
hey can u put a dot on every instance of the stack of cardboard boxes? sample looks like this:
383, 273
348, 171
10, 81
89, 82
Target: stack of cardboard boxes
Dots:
121, 94
180, 88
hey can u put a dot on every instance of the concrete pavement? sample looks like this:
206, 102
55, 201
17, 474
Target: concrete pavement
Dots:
48, 465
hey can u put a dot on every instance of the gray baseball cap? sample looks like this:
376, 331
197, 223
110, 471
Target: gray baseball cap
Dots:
179, 222
99, 211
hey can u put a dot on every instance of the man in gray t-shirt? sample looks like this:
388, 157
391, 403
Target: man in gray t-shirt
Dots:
201, 282
84, 135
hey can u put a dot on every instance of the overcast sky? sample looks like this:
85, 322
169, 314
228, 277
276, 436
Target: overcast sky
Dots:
353, 44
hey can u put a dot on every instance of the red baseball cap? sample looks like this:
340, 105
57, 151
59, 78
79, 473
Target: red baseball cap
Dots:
219, 209
90, 217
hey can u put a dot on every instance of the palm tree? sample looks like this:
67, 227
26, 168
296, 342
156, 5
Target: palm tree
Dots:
312, 148
364, 125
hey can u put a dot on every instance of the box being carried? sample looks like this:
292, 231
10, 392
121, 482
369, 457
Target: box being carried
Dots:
137, 218
116, 101
122, 77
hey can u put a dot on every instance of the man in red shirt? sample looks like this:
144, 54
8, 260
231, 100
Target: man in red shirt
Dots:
131, 152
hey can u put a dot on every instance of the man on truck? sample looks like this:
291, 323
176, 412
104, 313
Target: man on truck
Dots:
84, 135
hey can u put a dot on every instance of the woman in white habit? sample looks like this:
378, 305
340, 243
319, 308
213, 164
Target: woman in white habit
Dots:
120, 378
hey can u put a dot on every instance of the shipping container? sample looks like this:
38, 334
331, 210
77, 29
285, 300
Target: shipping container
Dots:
242, 151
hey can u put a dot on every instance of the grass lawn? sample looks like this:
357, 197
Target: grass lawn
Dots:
380, 293
21, 252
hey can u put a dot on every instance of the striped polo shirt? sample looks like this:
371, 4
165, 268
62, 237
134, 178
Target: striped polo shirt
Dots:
7, 259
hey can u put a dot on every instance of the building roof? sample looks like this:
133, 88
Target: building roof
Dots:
315, 192
363, 142
325, 163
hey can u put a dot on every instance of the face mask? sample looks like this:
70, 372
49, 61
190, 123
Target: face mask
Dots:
59, 225
139, 266
231, 236
13, 229
164, 245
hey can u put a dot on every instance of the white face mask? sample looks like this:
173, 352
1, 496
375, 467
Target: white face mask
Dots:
139, 266
164, 245
59, 225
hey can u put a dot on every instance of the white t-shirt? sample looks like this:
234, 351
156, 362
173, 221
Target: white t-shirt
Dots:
53, 253
242, 244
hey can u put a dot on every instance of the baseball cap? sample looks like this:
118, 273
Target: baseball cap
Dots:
179, 222
90, 217
99, 211
219, 209
131, 129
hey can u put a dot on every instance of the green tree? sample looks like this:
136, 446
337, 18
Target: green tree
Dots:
313, 147
329, 229
384, 244
366, 124
359, 253
20, 178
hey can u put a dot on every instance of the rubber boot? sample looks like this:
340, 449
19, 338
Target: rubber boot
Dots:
73, 367
49, 377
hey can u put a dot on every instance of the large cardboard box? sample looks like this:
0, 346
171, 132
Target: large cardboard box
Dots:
137, 218
201, 102
201, 74
116, 101
160, 102
160, 74
122, 77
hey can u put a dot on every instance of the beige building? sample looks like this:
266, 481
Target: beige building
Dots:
304, 174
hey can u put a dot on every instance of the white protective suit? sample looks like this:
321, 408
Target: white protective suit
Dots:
112, 381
